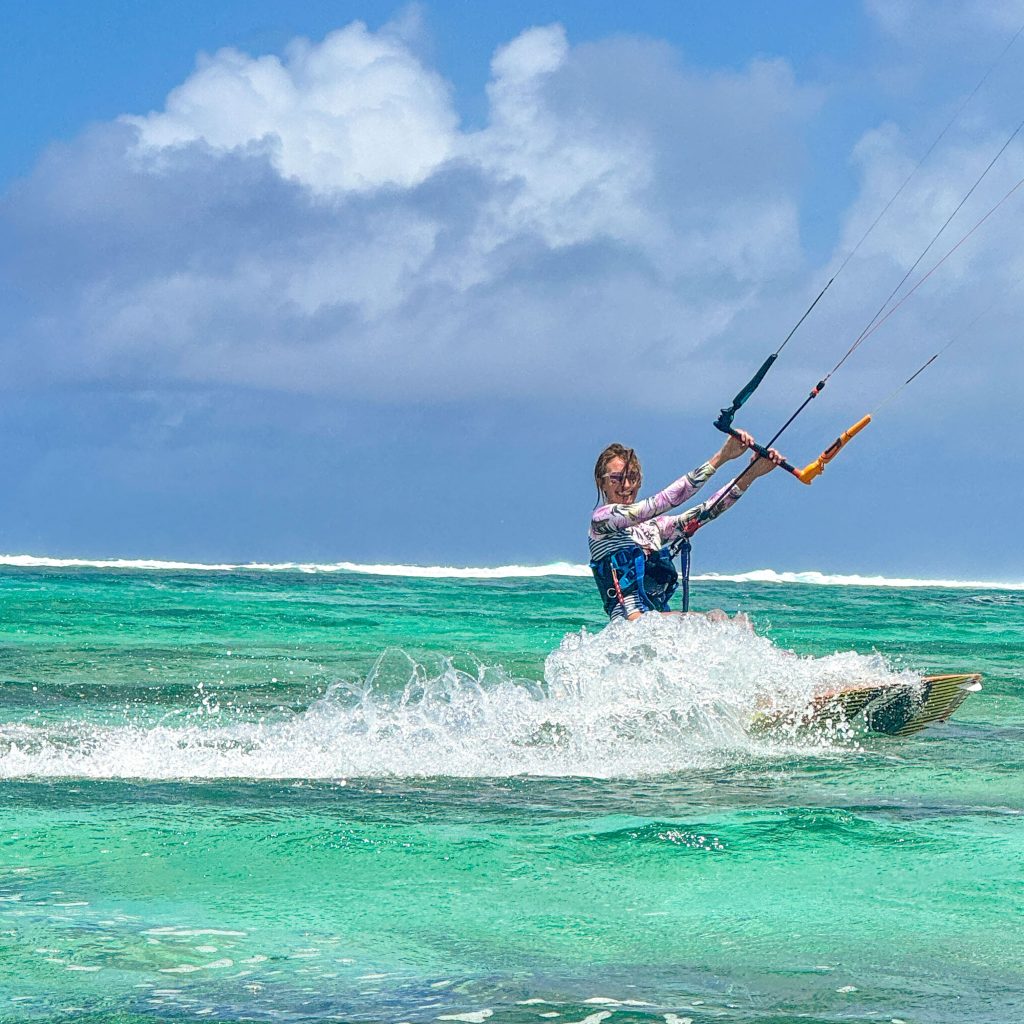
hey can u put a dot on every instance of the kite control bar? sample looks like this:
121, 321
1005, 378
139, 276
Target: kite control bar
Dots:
813, 469
760, 449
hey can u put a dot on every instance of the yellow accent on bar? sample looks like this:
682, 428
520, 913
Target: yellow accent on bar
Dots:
817, 467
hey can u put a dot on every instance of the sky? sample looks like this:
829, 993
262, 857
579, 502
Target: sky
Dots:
372, 282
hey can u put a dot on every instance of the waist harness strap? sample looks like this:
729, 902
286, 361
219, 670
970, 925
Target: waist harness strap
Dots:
630, 571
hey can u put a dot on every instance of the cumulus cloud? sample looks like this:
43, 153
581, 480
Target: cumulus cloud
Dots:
353, 113
319, 222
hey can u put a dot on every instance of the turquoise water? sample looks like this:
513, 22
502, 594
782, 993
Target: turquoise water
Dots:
287, 796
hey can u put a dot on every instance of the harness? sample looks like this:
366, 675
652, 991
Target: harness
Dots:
652, 578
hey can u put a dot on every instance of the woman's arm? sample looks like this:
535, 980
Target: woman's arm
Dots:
673, 527
609, 518
733, 448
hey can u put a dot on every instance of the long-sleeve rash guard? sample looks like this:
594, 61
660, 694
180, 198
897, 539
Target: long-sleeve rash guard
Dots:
645, 523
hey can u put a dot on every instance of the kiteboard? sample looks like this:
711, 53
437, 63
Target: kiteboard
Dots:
900, 709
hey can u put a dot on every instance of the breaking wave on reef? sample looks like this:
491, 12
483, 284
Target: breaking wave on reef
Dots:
658, 696
497, 572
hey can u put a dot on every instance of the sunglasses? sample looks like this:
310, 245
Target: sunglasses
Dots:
622, 478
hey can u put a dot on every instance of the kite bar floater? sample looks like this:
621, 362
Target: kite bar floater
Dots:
817, 467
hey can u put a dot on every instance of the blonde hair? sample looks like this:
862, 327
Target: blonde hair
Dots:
616, 451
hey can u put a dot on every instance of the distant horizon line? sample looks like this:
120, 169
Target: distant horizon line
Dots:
510, 571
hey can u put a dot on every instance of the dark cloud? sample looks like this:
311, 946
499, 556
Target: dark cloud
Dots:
581, 220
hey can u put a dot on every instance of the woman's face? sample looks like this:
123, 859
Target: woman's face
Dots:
619, 489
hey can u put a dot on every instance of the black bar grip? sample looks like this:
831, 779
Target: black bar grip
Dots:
760, 449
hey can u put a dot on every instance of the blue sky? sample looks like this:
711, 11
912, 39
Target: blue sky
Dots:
368, 282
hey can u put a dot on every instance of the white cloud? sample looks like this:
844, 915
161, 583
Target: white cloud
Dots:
961, 276
319, 223
958, 20
353, 113
572, 181
885, 159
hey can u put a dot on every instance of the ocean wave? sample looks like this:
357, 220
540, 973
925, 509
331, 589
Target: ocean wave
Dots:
663, 695
820, 579
567, 569
413, 571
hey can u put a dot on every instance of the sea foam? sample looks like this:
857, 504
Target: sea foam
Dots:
662, 695
413, 571
567, 569
814, 578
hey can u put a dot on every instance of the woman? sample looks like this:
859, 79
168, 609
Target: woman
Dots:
631, 542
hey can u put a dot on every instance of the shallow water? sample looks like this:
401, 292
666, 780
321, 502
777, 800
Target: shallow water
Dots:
285, 796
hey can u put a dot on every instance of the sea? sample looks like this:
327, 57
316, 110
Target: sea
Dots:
285, 793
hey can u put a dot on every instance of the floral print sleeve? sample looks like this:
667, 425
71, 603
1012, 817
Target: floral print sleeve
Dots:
609, 518
673, 527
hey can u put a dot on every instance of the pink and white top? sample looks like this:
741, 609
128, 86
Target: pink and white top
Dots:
645, 523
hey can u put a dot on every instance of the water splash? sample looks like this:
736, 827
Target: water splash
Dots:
661, 695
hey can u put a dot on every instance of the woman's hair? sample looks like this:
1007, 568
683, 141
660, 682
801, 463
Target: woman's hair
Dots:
616, 451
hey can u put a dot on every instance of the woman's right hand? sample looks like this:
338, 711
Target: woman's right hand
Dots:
735, 446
